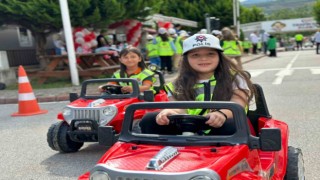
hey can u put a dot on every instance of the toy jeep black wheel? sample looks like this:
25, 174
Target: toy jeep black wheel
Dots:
295, 165
59, 140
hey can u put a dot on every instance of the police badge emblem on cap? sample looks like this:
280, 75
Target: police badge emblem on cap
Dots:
201, 40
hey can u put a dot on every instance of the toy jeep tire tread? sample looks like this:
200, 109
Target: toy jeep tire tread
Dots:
294, 165
59, 140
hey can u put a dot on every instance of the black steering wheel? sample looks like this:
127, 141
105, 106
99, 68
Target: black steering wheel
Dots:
189, 123
112, 89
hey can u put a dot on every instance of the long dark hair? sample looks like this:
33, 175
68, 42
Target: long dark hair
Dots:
224, 74
126, 51
164, 37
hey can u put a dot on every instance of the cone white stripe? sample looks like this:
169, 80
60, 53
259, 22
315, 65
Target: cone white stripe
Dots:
23, 79
26, 96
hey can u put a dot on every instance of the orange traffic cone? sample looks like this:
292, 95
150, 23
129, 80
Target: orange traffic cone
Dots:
28, 104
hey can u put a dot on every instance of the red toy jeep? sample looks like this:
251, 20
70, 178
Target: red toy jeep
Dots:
80, 120
192, 156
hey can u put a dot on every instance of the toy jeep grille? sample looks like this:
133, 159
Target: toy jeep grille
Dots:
93, 114
120, 174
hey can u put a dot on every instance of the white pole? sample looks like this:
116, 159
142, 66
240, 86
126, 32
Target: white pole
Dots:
234, 14
70, 46
238, 18
208, 25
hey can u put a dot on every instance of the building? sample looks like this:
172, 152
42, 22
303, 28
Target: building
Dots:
281, 26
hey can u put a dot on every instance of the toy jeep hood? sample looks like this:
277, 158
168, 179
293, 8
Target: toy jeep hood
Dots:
145, 159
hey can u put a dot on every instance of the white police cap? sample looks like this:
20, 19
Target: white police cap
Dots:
149, 37
199, 41
171, 31
162, 30
216, 32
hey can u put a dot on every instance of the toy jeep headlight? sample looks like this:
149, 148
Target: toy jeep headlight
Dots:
99, 175
66, 112
202, 178
109, 111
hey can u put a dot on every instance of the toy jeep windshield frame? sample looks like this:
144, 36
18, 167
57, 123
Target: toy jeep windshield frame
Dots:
130, 81
269, 139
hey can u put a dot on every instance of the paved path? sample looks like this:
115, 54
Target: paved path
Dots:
62, 94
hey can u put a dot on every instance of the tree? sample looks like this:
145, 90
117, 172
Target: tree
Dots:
139, 9
196, 9
291, 13
253, 14
316, 11
43, 17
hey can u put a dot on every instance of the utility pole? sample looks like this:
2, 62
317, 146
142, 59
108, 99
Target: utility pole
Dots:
207, 20
236, 16
69, 40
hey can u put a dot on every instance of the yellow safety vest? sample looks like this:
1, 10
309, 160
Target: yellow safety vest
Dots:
246, 44
231, 48
152, 49
177, 43
164, 47
139, 77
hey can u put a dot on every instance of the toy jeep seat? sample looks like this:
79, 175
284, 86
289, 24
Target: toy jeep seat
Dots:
261, 109
158, 75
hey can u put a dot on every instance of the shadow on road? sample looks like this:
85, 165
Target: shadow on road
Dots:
72, 165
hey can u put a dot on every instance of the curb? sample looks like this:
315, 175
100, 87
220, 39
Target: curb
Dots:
253, 59
55, 98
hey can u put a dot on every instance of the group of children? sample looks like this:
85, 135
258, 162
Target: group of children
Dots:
203, 68
165, 50
270, 45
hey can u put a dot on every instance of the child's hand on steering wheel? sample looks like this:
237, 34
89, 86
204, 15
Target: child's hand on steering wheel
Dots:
126, 89
162, 117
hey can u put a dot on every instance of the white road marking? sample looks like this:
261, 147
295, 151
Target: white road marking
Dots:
278, 69
315, 71
255, 73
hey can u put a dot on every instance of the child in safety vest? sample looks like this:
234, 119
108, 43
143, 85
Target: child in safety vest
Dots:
231, 46
246, 46
166, 50
152, 51
206, 74
132, 65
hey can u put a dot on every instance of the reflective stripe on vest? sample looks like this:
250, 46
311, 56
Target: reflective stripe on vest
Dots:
139, 77
164, 47
231, 48
152, 49
200, 93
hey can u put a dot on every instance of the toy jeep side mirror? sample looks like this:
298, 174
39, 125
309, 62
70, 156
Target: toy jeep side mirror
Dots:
148, 96
107, 135
270, 139
73, 97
